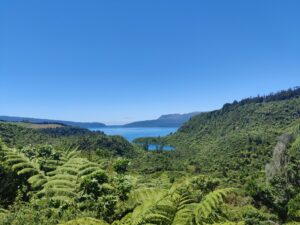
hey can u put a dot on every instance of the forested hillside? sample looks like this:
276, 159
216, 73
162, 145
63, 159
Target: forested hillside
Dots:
240, 135
88, 141
239, 165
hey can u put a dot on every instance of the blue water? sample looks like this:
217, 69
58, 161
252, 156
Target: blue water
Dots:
131, 133
153, 147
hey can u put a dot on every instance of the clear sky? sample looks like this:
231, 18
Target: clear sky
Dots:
119, 61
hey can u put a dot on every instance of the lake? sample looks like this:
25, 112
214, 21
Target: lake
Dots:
154, 147
131, 133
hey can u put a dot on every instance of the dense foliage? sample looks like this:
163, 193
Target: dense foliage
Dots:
18, 136
240, 138
239, 165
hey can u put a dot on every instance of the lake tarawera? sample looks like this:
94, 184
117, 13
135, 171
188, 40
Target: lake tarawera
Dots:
131, 133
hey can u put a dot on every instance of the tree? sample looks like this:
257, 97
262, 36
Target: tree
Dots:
121, 165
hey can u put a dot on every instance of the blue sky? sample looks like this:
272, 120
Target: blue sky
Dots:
119, 61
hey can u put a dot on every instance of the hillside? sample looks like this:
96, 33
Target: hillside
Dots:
169, 120
235, 166
240, 137
46, 121
88, 141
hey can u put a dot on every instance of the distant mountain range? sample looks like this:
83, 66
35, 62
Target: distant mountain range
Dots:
35, 120
170, 120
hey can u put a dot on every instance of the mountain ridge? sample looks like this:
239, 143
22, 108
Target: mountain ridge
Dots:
168, 120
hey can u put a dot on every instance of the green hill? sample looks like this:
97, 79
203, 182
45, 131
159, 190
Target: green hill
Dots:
240, 137
18, 136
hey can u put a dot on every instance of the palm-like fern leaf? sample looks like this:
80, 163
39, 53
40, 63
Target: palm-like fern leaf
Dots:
210, 203
23, 166
63, 182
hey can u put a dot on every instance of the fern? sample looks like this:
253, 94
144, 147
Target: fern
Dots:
51, 165
71, 153
160, 206
172, 210
23, 166
3, 211
37, 181
144, 199
176, 206
207, 208
63, 183
85, 221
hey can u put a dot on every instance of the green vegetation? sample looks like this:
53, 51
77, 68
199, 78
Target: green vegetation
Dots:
239, 165
88, 141
37, 125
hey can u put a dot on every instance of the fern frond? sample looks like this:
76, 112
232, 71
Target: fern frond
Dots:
32, 171
56, 191
37, 181
157, 219
68, 177
210, 203
3, 211
64, 183
184, 216
23, 166
72, 153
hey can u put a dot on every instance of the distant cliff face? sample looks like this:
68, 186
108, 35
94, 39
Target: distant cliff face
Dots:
169, 120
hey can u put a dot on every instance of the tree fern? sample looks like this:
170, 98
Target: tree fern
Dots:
23, 166
205, 210
174, 209
37, 180
161, 206
19, 162
63, 183
144, 199
71, 153
51, 165
88, 168
177, 206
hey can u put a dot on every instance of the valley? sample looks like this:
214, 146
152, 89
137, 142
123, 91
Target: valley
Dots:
238, 165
